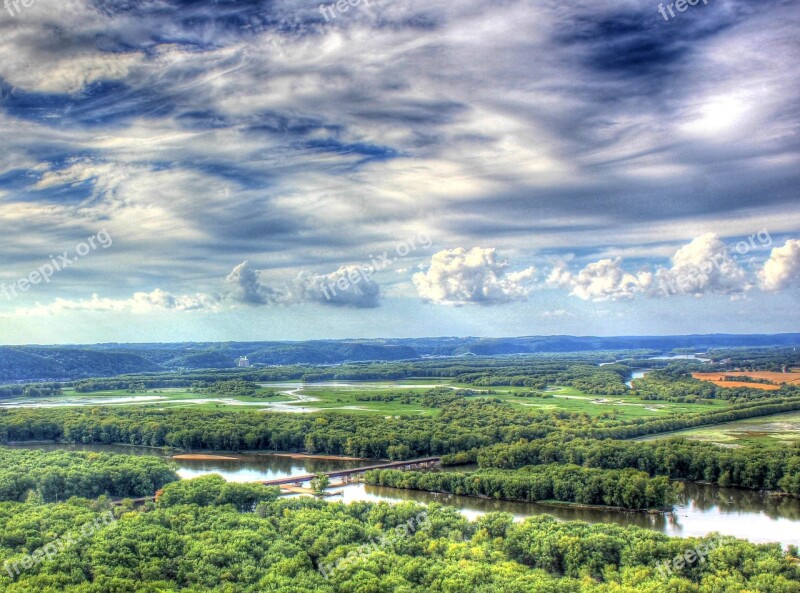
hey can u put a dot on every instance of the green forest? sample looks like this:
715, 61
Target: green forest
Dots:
462, 425
192, 546
207, 534
743, 467
627, 488
59, 475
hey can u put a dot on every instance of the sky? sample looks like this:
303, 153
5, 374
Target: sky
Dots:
284, 170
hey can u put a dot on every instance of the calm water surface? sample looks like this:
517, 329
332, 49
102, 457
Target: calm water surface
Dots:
702, 509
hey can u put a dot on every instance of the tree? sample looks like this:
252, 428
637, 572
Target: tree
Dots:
319, 484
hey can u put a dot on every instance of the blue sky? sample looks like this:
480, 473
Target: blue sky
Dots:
258, 170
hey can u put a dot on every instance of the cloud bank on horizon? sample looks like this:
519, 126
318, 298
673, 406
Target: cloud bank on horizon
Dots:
267, 170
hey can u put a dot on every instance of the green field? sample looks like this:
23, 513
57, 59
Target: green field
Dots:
772, 431
349, 397
159, 398
572, 400
346, 398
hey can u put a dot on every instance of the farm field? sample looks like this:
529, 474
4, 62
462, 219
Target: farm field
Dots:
772, 431
775, 379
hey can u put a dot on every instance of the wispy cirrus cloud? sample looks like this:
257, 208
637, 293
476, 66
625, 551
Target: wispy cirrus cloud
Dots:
202, 134
139, 304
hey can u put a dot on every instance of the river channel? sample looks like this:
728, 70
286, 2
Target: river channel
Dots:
702, 509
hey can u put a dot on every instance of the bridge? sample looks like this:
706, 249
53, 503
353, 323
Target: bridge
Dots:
348, 475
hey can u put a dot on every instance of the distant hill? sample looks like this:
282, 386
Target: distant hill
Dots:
18, 365
201, 360
33, 363
330, 353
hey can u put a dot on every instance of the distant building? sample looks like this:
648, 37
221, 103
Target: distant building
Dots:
243, 362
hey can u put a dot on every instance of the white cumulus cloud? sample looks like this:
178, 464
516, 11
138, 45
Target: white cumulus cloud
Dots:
460, 277
782, 269
601, 281
703, 266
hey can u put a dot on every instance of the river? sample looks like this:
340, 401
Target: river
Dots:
702, 509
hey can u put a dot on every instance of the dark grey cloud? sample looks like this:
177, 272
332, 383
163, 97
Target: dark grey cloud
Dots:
349, 287
248, 289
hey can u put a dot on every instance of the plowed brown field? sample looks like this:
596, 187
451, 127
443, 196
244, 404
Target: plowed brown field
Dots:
777, 379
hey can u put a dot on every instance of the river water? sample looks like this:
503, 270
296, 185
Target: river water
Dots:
702, 509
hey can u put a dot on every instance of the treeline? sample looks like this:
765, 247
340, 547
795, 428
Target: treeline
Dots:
605, 380
745, 467
432, 398
461, 425
125, 381
535, 372
232, 388
777, 360
644, 427
31, 390
285, 543
676, 384
59, 475
213, 490
628, 489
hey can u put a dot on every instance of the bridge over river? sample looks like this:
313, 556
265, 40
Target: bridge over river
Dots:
348, 474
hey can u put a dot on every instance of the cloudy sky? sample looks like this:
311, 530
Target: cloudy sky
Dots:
234, 170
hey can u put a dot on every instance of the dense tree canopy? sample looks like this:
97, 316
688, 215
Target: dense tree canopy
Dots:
194, 548
213, 490
59, 475
464, 423
744, 467
628, 488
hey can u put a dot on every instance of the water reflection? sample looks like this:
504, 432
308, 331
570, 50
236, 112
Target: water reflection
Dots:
731, 501
250, 467
256, 467
701, 508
